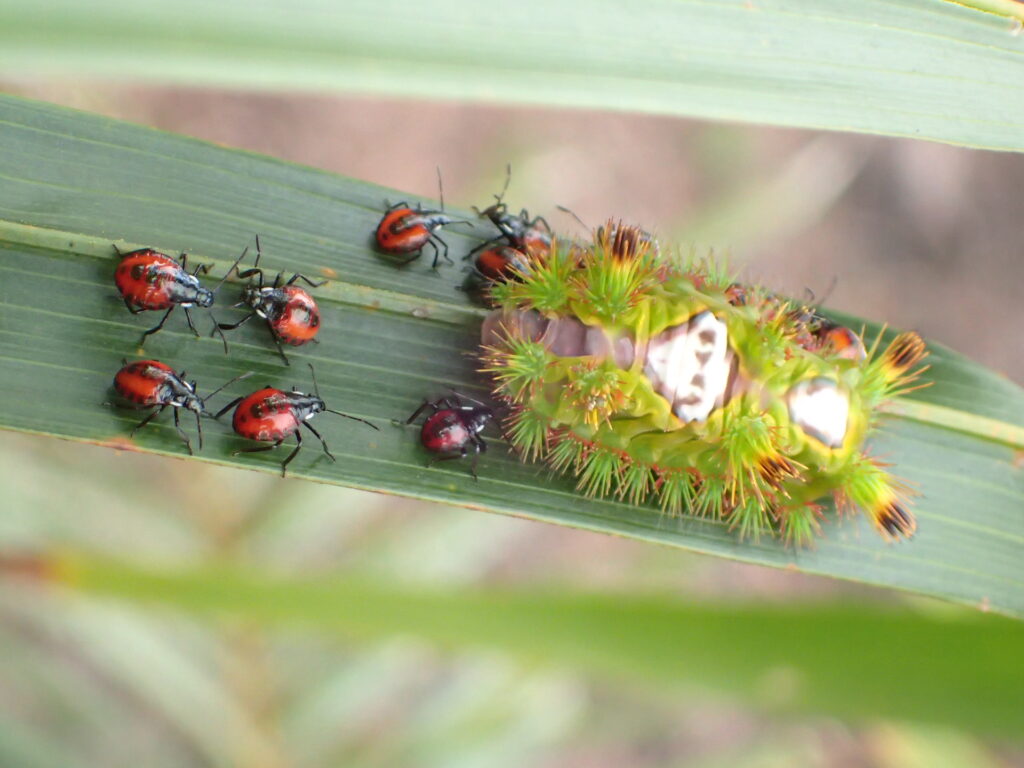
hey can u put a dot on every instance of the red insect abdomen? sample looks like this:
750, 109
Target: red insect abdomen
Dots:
144, 277
265, 415
445, 432
400, 232
142, 381
501, 263
299, 321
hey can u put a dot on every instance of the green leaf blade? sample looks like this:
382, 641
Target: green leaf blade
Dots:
390, 338
912, 68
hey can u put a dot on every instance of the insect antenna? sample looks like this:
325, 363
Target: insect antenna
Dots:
508, 179
316, 387
316, 390
471, 399
231, 269
259, 252
216, 325
440, 188
572, 213
354, 418
241, 376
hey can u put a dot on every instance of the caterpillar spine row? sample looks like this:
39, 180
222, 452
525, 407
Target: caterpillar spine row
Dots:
651, 378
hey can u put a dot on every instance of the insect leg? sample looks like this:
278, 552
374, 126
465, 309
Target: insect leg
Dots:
232, 326
228, 407
156, 412
280, 349
426, 404
181, 432
323, 442
308, 282
188, 318
444, 252
157, 327
298, 447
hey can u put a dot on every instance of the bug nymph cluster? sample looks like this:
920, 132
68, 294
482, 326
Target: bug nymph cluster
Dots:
649, 377
652, 378
150, 280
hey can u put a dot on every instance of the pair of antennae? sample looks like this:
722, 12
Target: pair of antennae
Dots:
316, 391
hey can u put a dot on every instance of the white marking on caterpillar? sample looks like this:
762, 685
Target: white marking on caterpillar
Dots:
820, 409
689, 366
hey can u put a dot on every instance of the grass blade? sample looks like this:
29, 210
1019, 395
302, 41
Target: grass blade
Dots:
75, 183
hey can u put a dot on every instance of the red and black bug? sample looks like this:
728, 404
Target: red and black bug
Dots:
150, 280
495, 264
152, 384
291, 313
500, 263
270, 415
409, 230
531, 236
828, 337
452, 428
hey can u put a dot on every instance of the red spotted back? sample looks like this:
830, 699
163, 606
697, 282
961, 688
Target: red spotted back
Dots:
145, 382
445, 431
145, 278
501, 263
402, 230
299, 318
267, 414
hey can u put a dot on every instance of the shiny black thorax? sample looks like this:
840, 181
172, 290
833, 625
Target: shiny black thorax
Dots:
268, 302
304, 406
179, 393
186, 290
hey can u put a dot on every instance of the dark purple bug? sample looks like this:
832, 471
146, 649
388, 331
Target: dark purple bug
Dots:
453, 428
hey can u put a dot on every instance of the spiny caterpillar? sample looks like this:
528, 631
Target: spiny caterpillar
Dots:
667, 379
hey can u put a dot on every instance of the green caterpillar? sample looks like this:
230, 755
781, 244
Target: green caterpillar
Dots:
652, 378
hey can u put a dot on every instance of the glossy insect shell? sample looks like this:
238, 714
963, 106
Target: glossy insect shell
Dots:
523, 233
270, 414
150, 382
292, 313
536, 238
501, 262
151, 280
445, 431
404, 230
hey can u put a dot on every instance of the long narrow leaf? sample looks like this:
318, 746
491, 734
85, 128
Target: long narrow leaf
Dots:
74, 184
915, 68
853, 661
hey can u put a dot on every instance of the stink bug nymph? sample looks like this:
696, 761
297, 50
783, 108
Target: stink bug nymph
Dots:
291, 313
152, 384
270, 415
406, 230
150, 280
452, 428
531, 236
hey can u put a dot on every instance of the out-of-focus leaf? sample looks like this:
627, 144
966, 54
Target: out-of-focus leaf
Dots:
854, 661
916, 68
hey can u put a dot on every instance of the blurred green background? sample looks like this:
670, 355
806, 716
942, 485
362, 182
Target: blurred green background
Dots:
921, 235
